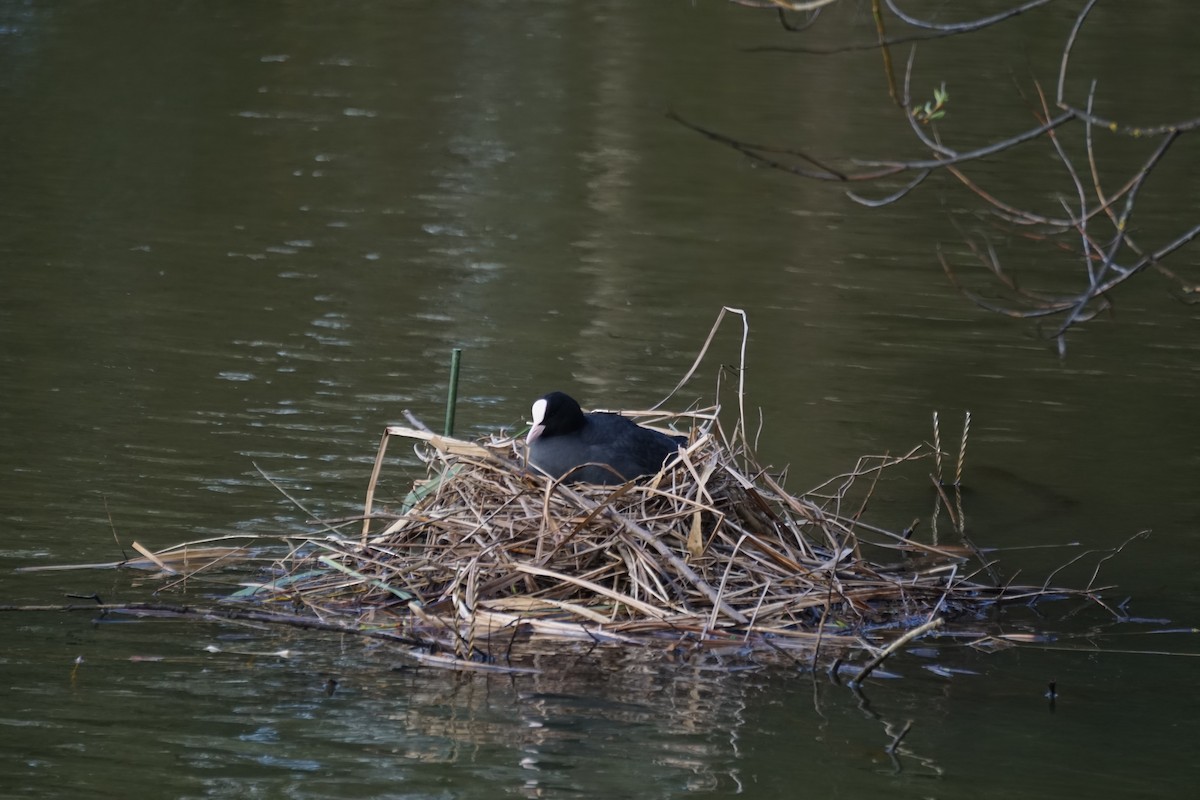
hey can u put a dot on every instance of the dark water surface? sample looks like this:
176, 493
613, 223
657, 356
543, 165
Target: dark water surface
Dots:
250, 233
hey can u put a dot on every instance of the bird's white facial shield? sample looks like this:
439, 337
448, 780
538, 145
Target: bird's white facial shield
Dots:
539, 417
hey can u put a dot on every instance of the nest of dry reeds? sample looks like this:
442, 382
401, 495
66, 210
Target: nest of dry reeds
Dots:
484, 554
484, 557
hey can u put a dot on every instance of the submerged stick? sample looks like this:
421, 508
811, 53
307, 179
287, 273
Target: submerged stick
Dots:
894, 646
898, 738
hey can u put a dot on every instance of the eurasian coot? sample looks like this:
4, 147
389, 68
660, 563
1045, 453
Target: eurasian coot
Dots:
607, 448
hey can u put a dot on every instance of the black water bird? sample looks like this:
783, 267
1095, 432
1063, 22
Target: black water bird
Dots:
606, 448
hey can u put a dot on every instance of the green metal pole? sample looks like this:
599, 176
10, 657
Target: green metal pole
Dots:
452, 394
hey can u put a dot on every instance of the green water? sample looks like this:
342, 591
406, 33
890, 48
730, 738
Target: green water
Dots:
250, 234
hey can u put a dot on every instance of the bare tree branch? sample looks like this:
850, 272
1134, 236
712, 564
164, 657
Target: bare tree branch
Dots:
1092, 225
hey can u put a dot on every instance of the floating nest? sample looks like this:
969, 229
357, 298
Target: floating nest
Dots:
485, 561
712, 553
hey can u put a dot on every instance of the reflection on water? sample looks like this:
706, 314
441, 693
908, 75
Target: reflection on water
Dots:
243, 713
599, 722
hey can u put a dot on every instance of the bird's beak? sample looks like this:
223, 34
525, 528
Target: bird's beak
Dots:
535, 432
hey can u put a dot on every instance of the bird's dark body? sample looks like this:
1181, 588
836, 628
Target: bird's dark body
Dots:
606, 448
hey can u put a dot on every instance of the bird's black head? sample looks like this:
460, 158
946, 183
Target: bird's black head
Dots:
555, 414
